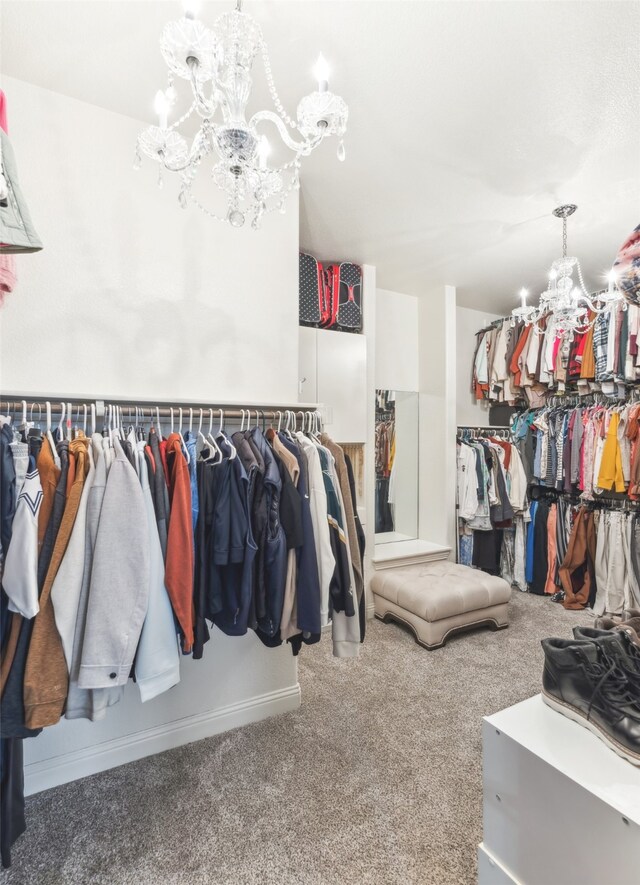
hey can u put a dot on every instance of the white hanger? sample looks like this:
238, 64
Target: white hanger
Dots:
242, 422
84, 423
279, 414
171, 413
63, 410
56, 457
190, 420
93, 418
184, 445
211, 441
158, 429
233, 451
39, 405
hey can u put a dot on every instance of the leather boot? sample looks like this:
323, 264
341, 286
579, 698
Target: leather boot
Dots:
618, 646
581, 681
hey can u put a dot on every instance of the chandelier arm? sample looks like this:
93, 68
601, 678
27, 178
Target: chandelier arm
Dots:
204, 107
301, 147
591, 305
199, 150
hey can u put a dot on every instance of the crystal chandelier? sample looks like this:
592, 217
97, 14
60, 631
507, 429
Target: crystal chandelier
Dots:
569, 304
217, 64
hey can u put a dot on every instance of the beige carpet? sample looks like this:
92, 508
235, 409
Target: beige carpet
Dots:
376, 779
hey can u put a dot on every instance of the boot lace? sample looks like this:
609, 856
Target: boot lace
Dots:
611, 691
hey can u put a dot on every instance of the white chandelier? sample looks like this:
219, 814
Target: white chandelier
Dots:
567, 301
219, 61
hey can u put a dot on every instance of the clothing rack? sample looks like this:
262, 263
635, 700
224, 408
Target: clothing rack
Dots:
133, 409
601, 502
501, 432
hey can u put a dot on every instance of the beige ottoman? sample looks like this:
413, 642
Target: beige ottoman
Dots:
436, 599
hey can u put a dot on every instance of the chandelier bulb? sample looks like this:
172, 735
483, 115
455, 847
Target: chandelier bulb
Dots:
264, 149
523, 296
161, 107
321, 73
191, 8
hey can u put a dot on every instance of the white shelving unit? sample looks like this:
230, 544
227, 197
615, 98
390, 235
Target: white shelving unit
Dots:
560, 807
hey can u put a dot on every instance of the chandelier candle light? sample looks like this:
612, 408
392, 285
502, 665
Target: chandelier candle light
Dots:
568, 303
218, 61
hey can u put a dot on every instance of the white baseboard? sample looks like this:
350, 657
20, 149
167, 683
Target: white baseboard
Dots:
72, 766
371, 610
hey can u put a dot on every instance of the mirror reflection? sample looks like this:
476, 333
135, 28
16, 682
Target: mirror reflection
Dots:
396, 459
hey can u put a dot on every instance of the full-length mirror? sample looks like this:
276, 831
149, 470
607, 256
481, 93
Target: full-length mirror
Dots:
396, 442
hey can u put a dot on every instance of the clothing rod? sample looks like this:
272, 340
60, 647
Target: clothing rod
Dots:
156, 407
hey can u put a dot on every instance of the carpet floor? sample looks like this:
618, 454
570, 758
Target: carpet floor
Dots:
376, 779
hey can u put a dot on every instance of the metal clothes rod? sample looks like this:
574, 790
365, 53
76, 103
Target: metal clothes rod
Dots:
14, 403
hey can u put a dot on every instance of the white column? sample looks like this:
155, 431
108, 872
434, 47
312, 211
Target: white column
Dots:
437, 351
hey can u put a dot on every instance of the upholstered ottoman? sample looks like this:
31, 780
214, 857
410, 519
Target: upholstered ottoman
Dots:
436, 599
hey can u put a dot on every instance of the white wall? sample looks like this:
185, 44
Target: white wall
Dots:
396, 353
405, 466
134, 297
469, 410
437, 481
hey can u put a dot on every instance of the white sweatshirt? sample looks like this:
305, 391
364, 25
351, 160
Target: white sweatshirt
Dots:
467, 482
20, 578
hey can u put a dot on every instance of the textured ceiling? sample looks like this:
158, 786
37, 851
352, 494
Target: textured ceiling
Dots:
469, 122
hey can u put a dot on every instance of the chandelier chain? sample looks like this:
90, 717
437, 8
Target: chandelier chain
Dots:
272, 88
564, 237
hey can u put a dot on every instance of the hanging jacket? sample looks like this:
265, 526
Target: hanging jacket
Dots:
89, 703
275, 551
577, 571
352, 534
119, 589
179, 559
254, 465
362, 610
65, 592
20, 577
46, 677
236, 573
12, 713
157, 661
308, 587
318, 504
291, 520
158, 485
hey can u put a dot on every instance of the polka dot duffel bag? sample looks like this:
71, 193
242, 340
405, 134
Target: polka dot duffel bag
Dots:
312, 308
344, 295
